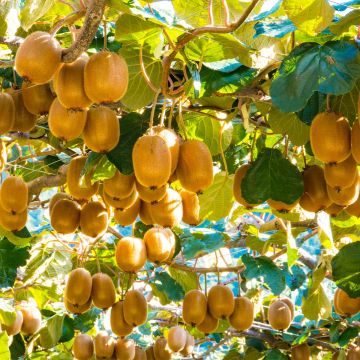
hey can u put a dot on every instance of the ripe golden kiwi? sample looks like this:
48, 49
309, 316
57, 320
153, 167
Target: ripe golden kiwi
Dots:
161, 350
56, 197
14, 194
15, 327
120, 203
290, 305
69, 84
300, 352
135, 308
117, 321
7, 113
80, 189
94, 219
239, 175
77, 309
37, 99
104, 345
176, 338
279, 315
83, 347
281, 206
341, 175
243, 316
158, 245
330, 137
194, 307
106, 77
173, 142
150, 353
345, 196
140, 354
315, 197
172, 241
191, 208
65, 216
345, 305
151, 195
334, 209
102, 130
125, 217
66, 124
168, 212
145, 213
354, 209
221, 302
195, 168
120, 186
103, 292
38, 57
31, 320
24, 120
78, 287
355, 141
3, 155
130, 254
13, 221
125, 349
189, 345
209, 325
152, 161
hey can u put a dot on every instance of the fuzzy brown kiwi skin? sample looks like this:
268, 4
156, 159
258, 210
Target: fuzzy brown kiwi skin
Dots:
194, 307
94, 219
7, 113
65, 216
221, 301
117, 322
83, 347
279, 315
24, 120
37, 99
135, 308
78, 287
130, 254
31, 320
239, 175
103, 293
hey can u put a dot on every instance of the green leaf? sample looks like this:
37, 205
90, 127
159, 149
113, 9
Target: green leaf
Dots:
314, 105
272, 177
166, 288
331, 68
4, 347
7, 313
346, 270
275, 354
86, 321
99, 167
216, 201
51, 333
341, 26
295, 278
5, 23
316, 306
310, 16
347, 104
17, 347
348, 334
187, 279
18, 238
34, 10
290, 124
264, 267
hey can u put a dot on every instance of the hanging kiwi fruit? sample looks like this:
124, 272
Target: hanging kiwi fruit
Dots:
279, 315
191, 208
130, 254
7, 112
24, 120
94, 219
37, 98
239, 175
125, 217
65, 216
119, 186
117, 321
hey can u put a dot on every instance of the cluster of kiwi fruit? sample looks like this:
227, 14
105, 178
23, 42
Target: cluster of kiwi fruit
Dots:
13, 203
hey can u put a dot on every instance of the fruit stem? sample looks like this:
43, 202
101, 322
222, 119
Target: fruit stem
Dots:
205, 283
163, 112
181, 121
152, 114
171, 113
222, 149
253, 146
105, 34
239, 284
328, 103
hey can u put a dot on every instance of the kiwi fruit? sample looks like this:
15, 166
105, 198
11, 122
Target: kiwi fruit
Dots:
94, 219
69, 84
3, 155
334, 209
24, 120
117, 321
161, 349
152, 161
172, 241
195, 168
135, 308
13, 221
145, 213
220, 302
243, 315
37, 98
140, 354
125, 349
173, 142
112, 85
130, 254
102, 130
120, 186
77, 309
83, 347
120, 203
80, 189
7, 113
330, 137
239, 175
66, 124
176, 338
308, 204
341, 175
78, 287
151, 195
189, 345
191, 208
209, 325
353, 353
300, 352
290, 305
104, 345
65, 216
354, 208
31, 320
55, 198
15, 327
150, 353
103, 292
158, 246
38, 57
194, 307
279, 315
14, 194
125, 217
355, 141
168, 212
281, 206
345, 196
344, 305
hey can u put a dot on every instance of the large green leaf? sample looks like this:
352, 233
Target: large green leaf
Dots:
4, 347
51, 333
6, 8
166, 288
272, 177
310, 16
187, 279
331, 68
7, 313
316, 306
34, 10
346, 269
352, 18
86, 321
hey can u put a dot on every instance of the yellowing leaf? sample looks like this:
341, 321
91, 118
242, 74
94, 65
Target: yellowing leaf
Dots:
317, 306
